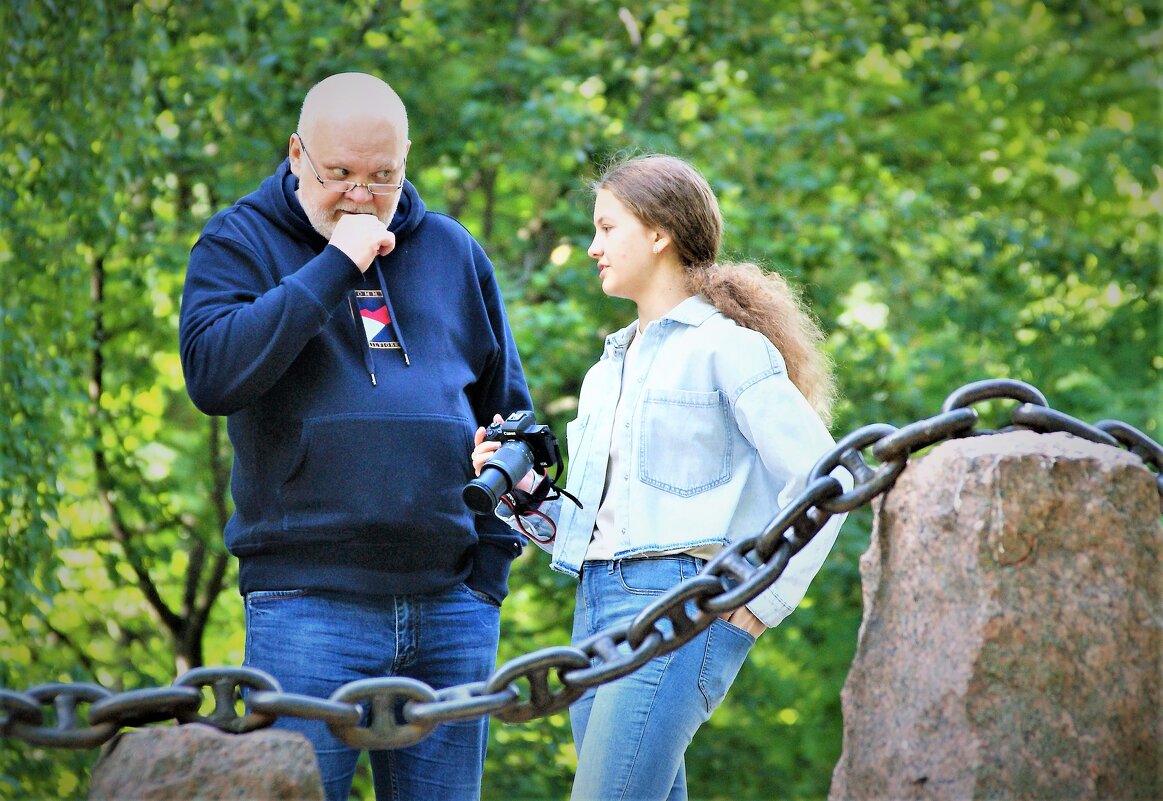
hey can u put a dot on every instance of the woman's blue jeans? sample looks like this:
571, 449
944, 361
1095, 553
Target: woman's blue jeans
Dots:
314, 644
631, 734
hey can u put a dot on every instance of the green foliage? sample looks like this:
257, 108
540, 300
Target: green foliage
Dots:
964, 190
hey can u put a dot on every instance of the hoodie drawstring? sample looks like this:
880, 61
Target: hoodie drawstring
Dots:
368, 361
392, 317
357, 318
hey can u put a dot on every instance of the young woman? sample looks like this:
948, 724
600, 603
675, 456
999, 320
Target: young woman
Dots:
700, 421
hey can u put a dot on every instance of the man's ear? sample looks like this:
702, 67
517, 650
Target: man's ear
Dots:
295, 153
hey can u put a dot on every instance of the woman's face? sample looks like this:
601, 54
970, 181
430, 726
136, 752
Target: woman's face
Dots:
622, 247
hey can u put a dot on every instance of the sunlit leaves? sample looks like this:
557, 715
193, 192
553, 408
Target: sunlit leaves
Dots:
964, 190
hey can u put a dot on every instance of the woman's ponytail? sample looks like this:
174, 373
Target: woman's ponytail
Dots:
765, 302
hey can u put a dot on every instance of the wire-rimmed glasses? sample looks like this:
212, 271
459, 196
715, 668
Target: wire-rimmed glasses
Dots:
343, 187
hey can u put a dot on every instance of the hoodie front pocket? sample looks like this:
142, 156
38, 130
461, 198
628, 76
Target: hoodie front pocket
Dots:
364, 470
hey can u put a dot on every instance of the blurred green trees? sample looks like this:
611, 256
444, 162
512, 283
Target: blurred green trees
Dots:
963, 189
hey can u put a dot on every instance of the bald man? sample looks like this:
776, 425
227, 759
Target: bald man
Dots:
355, 340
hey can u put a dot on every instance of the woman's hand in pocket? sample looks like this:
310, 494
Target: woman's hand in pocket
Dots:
742, 618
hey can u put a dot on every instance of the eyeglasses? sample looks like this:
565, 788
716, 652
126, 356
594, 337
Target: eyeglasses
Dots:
343, 187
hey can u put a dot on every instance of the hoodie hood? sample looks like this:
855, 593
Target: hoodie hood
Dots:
276, 200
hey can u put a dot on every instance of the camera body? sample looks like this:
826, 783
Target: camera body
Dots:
525, 445
522, 427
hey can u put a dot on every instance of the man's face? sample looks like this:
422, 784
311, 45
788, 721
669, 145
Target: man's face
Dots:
372, 154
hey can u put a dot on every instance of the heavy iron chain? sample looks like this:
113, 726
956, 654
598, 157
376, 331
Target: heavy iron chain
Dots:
396, 712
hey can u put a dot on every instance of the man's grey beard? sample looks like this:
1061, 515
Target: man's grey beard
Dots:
323, 220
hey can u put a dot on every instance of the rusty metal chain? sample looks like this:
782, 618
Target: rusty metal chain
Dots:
67, 732
395, 712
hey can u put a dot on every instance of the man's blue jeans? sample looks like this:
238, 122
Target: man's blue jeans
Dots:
314, 644
631, 734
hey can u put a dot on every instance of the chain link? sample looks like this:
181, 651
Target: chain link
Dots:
868, 482
607, 660
1046, 420
990, 389
923, 433
18, 708
150, 705
1139, 444
308, 707
68, 732
535, 667
226, 684
463, 702
396, 712
382, 707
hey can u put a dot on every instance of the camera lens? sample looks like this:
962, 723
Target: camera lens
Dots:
483, 493
508, 466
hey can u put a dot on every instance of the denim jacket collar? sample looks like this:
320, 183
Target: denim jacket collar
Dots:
693, 311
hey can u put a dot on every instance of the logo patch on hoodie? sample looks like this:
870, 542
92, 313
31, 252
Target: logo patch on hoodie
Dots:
373, 312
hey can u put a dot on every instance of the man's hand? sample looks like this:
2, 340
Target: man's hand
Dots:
362, 237
483, 450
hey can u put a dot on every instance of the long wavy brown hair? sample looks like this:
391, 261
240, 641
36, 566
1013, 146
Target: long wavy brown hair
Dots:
667, 193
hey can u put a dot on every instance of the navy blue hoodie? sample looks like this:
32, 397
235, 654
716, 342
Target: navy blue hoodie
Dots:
351, 399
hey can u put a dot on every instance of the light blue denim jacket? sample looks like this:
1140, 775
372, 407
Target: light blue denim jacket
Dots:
717, 442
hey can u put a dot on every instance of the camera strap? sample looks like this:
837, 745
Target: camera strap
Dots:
562, 493
524, 502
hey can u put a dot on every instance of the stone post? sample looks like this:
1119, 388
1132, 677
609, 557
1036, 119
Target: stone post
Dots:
196, 762
1012, 641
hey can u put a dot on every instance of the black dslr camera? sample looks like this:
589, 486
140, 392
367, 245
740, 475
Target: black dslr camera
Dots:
525, 445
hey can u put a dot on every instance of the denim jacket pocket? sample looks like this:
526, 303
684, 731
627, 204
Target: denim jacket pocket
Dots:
685, 445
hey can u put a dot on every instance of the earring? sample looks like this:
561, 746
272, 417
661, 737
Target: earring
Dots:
657, 247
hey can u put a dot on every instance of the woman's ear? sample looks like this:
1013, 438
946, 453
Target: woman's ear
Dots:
660, 243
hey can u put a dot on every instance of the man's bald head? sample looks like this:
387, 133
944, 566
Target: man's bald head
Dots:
353, 98
356, 129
